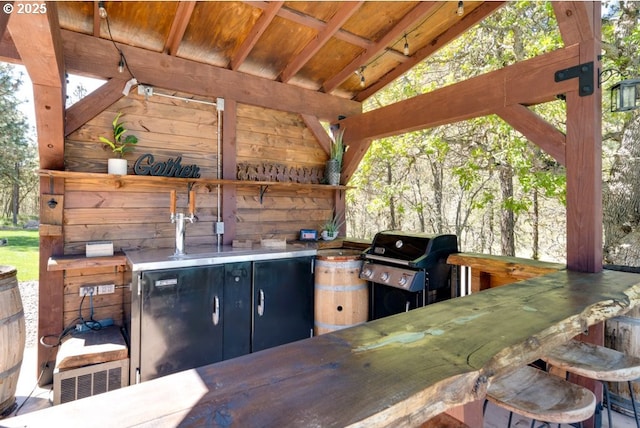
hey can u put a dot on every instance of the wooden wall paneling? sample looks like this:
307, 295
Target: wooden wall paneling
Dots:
104, 305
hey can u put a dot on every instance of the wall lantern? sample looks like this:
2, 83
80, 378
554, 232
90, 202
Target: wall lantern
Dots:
625, 95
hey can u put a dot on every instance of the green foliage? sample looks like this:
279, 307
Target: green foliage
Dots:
120, 144
22, 251
337, 146
333, 224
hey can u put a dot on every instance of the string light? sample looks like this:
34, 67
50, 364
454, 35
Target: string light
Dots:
460, 10
362, 80
406, 45
101, 10
121, 64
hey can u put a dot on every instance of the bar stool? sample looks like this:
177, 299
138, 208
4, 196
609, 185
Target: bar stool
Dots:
599, 363
541, 396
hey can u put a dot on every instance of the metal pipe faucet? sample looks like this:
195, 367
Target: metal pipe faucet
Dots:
180, 220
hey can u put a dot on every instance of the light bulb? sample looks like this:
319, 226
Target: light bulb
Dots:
460, 10
101, 10
121, 64
406, 46
362, 81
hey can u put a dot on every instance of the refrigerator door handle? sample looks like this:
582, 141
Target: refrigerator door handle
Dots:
261, 303
216, 310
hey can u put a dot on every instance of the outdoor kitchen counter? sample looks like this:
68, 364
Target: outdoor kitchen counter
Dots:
396, 371
164, 258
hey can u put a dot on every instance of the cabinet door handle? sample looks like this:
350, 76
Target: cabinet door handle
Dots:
216, 311
261, 303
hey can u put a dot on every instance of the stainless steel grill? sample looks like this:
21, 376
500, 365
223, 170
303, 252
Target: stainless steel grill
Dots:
407, 270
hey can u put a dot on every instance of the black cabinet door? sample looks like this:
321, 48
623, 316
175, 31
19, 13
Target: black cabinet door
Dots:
282, 302
181, 320
237, 310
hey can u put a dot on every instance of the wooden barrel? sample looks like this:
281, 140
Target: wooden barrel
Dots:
341, 297
12, 329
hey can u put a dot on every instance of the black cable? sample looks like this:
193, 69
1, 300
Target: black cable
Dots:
122, 57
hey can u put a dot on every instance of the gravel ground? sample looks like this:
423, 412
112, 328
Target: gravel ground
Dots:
29, 295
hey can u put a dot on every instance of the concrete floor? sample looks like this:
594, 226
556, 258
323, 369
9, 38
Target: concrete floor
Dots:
42, 397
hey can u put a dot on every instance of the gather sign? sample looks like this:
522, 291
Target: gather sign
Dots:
146, 165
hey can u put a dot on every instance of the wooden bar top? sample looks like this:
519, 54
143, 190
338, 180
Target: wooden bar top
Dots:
397, 371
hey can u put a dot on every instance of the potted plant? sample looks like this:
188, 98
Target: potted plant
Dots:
120, 146
334, 164
331, 227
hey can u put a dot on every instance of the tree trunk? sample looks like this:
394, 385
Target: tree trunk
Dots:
16, 195
535, 254
621, 202
507, 218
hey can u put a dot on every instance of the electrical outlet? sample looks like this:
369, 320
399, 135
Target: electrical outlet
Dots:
106, 289
88, 290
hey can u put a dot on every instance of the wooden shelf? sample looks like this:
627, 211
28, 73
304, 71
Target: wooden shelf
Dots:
120, 180
59, 263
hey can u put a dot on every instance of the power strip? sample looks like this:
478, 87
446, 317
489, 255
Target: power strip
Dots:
93, 325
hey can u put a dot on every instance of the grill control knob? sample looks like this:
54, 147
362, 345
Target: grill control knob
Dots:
367, 273
384, 276
402, 281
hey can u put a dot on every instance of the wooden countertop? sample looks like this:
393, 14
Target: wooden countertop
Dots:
397, 371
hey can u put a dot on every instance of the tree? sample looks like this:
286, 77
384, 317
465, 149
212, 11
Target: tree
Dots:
17, 163
621, 189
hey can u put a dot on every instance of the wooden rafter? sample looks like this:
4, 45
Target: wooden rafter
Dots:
332, 27
88, 55
475, 97
415, 15
179, 26
314, 125
454, 32
319, 26
258, 29
91, 105
535, 129
96, 20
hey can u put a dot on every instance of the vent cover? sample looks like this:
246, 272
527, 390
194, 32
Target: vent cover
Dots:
70, 385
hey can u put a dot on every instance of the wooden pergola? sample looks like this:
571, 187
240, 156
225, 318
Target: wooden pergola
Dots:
305, 58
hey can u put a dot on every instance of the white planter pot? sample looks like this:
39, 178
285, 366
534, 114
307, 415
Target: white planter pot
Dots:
329, 236
117, 166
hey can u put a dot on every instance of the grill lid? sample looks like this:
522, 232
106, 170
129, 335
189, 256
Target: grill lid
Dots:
412, 249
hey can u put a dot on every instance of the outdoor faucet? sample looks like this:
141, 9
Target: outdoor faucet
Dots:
180, 220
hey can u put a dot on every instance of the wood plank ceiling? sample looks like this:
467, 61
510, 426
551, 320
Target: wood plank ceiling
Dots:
347, 49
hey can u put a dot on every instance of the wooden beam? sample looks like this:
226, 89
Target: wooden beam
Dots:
37, 39
89, 55
96, 19
314, 125
575, 20
535, 129
8, 51
584, 166
256, 32
333, 26
179, 26
91, 105
415, 15
4, 17
527, 82
469, 20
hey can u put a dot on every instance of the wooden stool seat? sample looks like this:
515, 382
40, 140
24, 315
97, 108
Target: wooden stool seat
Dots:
594, 362
538, 395
599, 363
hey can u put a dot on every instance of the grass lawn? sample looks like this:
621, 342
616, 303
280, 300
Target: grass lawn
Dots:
22, 251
